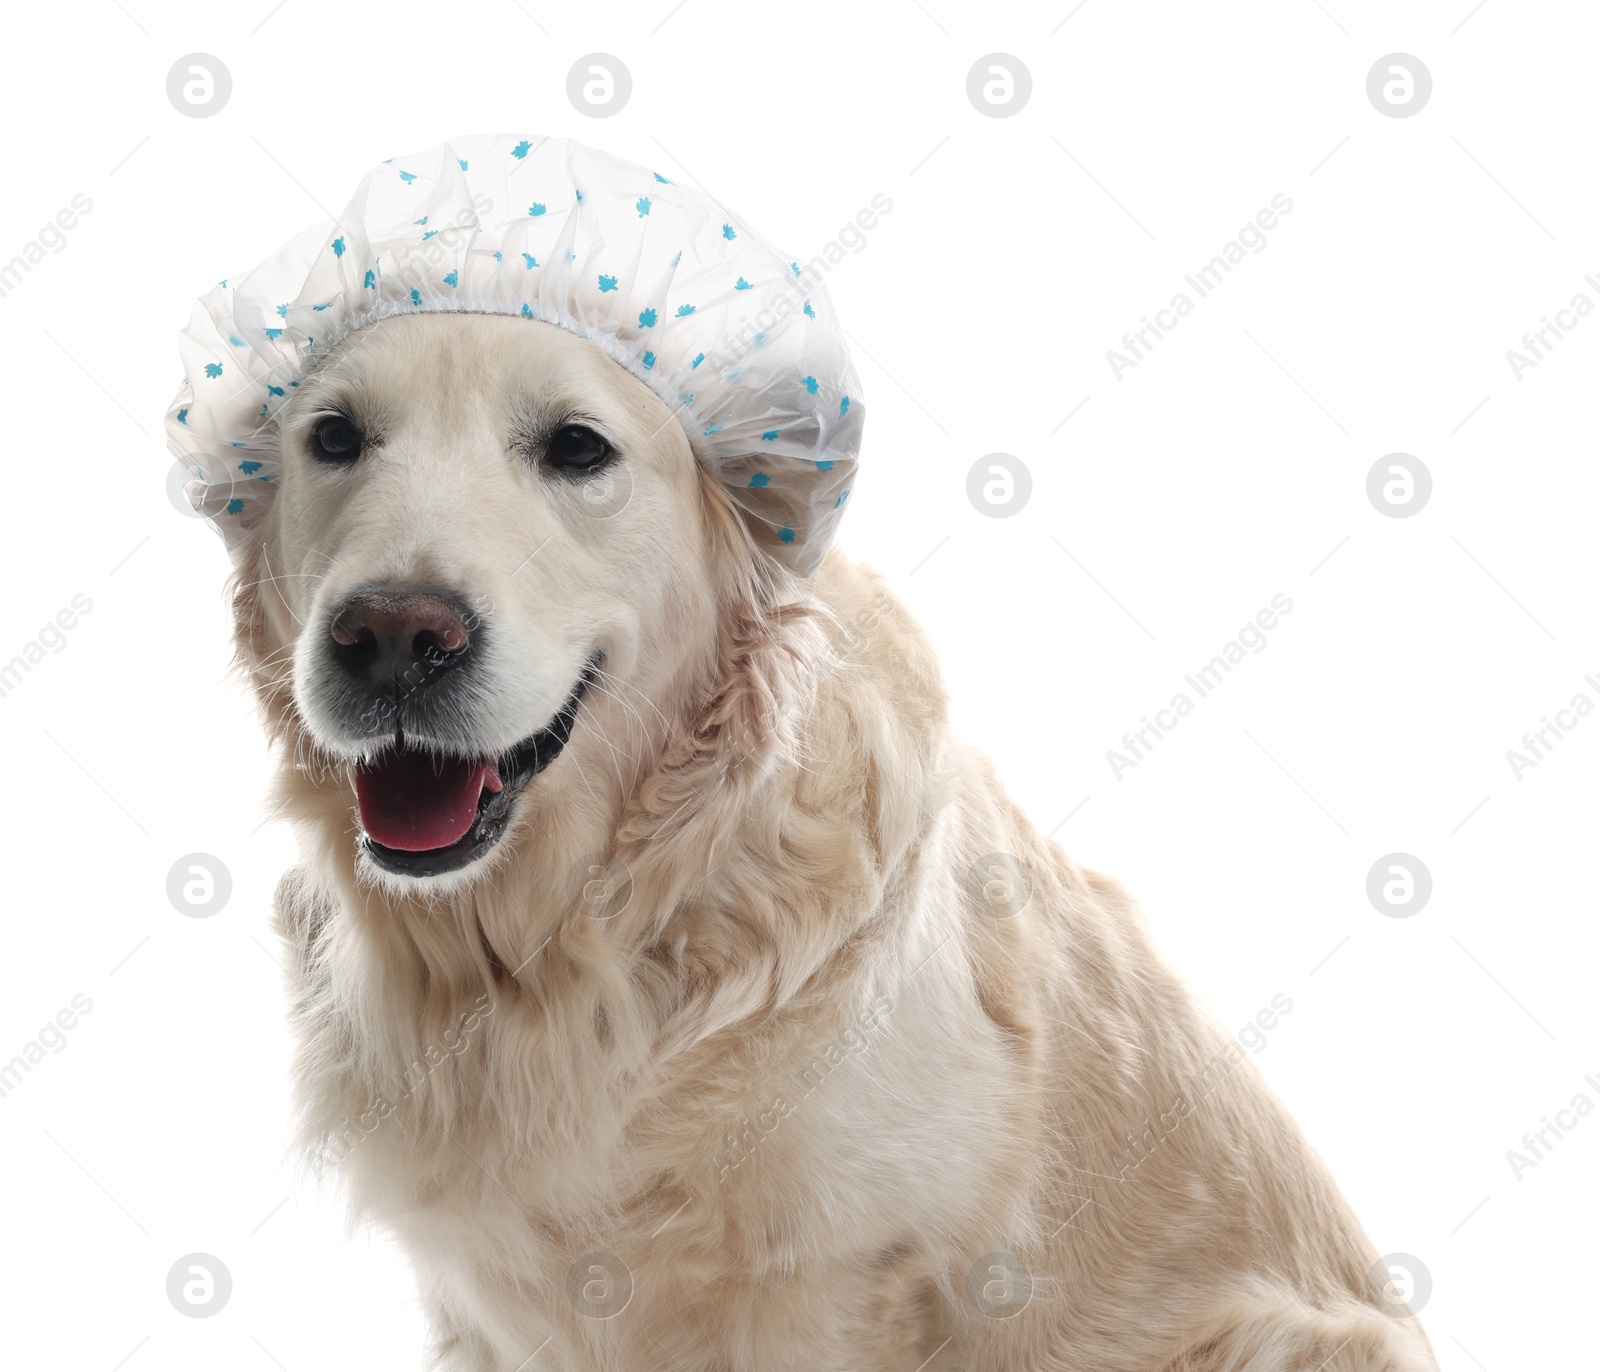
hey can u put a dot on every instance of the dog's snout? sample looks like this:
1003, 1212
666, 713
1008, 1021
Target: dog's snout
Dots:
400, 634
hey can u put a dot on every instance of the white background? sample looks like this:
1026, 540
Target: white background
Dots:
1173, 504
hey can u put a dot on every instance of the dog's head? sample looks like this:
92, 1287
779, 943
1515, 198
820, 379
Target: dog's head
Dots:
493, 567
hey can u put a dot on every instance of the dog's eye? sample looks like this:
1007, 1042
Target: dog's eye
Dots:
576, 448
335, 439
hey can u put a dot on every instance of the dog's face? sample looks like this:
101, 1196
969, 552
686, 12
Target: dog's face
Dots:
487, 535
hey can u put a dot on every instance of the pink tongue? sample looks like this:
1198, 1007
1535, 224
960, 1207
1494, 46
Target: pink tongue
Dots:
414, 802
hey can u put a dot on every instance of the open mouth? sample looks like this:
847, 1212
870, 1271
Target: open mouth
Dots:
425, 815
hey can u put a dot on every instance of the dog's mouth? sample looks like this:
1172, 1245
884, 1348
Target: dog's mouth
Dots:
424, 815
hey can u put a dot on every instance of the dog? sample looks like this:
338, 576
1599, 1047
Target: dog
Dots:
669, 979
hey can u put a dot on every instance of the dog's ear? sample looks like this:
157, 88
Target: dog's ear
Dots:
256, 599
741, 719
761, 606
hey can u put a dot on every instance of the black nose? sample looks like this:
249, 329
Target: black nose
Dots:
400, 635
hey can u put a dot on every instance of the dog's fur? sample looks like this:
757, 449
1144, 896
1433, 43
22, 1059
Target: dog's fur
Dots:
792, 1075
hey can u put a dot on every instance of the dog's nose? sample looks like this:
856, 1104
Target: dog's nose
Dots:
400, 634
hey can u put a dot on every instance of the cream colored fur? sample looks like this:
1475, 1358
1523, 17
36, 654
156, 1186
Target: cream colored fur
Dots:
730, 1009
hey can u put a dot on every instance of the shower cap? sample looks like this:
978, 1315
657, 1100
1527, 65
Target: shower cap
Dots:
736, 337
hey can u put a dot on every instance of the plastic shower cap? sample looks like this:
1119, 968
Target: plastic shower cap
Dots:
740, 340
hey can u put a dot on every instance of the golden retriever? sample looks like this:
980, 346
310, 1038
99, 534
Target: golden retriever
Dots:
668, 978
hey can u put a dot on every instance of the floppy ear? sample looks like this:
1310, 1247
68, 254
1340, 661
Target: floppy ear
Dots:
757, 681
742, 719
262, 654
